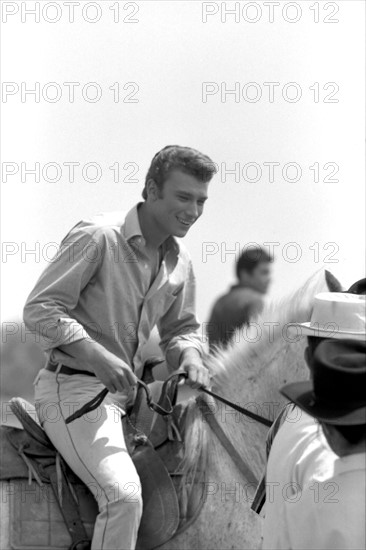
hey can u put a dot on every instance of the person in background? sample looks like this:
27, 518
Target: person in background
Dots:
244, 299
315, 480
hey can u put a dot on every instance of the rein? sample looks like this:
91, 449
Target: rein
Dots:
259, 418
97, 400
201, 402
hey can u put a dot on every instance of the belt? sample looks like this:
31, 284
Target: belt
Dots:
67, 370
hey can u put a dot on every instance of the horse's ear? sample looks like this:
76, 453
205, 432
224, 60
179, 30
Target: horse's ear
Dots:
359, 287
332, 282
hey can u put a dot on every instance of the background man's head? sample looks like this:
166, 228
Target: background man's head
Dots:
176, 188
253, 269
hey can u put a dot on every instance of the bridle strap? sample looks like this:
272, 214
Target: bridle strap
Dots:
236, 407
212, 421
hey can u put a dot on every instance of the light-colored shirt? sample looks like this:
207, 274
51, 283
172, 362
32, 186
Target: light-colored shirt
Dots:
315, 499
99, 286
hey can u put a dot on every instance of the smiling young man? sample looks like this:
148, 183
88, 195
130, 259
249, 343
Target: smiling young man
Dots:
115, 278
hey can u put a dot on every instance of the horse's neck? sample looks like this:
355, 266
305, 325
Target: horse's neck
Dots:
258, 380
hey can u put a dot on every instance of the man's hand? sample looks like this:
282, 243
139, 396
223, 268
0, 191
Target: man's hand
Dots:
114, 373
191, 363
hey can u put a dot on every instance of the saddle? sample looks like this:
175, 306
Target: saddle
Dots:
156, 445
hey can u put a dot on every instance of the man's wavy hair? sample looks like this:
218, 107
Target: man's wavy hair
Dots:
174, 157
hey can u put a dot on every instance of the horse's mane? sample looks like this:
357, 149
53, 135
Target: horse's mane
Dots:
250, 361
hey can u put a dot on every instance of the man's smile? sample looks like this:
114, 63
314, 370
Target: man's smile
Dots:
184, 222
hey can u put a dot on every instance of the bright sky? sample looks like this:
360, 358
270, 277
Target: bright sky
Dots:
172, 74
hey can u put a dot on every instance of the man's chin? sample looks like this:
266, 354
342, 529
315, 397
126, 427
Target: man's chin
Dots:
180, 233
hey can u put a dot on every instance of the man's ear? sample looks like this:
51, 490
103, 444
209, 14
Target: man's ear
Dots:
152, 190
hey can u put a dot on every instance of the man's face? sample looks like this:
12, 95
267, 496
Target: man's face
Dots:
180, 203
261, 277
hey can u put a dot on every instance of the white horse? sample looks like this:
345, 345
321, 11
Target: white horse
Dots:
249, 372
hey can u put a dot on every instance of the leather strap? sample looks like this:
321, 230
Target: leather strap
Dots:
242, 410
69, 509
156, 407
67, 370
244, 469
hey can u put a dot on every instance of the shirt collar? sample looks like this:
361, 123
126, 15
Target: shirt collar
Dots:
132, 230
132, 227
172, 244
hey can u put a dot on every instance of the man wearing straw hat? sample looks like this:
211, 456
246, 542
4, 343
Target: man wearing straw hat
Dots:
316, 467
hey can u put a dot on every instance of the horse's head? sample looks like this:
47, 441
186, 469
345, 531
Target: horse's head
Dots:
264, 356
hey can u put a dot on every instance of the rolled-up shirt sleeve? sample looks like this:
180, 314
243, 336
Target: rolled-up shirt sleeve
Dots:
48, 310
179, 327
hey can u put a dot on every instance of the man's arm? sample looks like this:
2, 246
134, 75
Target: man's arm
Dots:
180, 338
56, 294
215, 328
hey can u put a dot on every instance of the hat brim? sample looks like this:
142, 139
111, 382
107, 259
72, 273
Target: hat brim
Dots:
301, 393
307, 330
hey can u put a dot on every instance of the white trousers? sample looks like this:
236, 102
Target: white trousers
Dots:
94, 448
